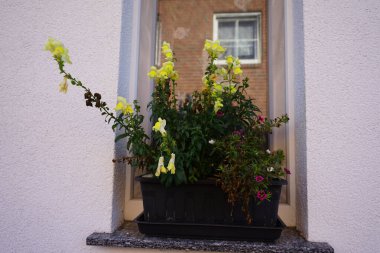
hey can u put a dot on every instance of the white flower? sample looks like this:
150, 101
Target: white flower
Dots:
160, 167
270, 169
268, 151
160, 126
171, 166
212, 142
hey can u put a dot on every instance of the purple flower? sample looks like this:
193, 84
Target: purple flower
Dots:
259, 179
261, 195
238, 132
287, 171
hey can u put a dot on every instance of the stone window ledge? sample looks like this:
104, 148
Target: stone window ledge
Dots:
128, 236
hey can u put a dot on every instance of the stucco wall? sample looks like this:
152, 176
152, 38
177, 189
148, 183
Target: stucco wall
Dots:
342, 88
56, 175
56, 171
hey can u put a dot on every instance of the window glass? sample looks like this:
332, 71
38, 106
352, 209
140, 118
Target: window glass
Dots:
247, 49
239, 32
247, 29
226, 30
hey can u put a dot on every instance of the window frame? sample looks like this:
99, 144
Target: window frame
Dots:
237, 16
133, 207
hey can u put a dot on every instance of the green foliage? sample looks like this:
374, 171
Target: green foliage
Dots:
217, 131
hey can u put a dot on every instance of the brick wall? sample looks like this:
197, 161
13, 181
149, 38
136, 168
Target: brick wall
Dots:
187, 23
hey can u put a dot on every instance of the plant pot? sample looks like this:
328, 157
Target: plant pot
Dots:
204, 203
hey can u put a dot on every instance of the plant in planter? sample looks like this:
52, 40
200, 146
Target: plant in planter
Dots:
215, 138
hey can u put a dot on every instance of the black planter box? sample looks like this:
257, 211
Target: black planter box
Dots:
210, 231
203, 203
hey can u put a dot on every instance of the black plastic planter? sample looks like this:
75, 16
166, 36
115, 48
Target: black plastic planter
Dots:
210, 231
203, 203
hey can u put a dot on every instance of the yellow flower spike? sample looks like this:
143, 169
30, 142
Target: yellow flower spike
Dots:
213, 48
160, 167
168, 67
162, 74
237, 71
153, 72
169, 56
230, 59
165, 46
63, 86
208, 45
174, 76
218, 105
171, 165
123, 106
58, 50
233, 89
65, 56
218, 88
159, 126
52, 44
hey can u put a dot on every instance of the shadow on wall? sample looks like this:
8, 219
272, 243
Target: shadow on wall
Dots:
122, 90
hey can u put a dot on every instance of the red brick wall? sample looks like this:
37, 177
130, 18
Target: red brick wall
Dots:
187, 23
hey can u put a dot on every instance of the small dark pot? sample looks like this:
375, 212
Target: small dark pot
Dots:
204, 202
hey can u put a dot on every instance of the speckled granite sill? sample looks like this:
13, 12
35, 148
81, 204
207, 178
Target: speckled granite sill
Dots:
128, 236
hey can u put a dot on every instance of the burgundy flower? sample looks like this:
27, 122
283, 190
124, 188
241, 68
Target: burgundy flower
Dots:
238, 132
261, 195
259, 179
261, 119
287, 171
219, 114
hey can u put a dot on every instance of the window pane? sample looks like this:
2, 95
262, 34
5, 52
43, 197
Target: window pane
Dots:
230, 46
247, 49
226, 30
248, 29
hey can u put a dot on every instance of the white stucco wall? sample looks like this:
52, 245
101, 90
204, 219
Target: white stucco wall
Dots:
56, 171
57, 182
342, 94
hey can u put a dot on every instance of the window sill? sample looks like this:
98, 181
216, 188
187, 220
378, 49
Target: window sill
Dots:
128, 236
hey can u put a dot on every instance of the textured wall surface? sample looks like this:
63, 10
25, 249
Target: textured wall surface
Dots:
342, 94
56, 171
57, 181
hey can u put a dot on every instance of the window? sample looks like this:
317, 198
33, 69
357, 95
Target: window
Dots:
240, 33
264, 29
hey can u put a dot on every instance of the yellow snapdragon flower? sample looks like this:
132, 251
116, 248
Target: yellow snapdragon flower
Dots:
162, 74
218, 88
174, 76
159, 126
58, 50
236, 67
213, 48
229, 59
63, 86
171, 166
218, 104
232, 88
237, 71
168, 67
153, 72
160, 167
167, 51
123, 106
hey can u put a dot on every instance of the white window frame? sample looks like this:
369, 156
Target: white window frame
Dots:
246, 16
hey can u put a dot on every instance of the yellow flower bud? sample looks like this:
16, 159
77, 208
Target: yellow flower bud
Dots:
63, 86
